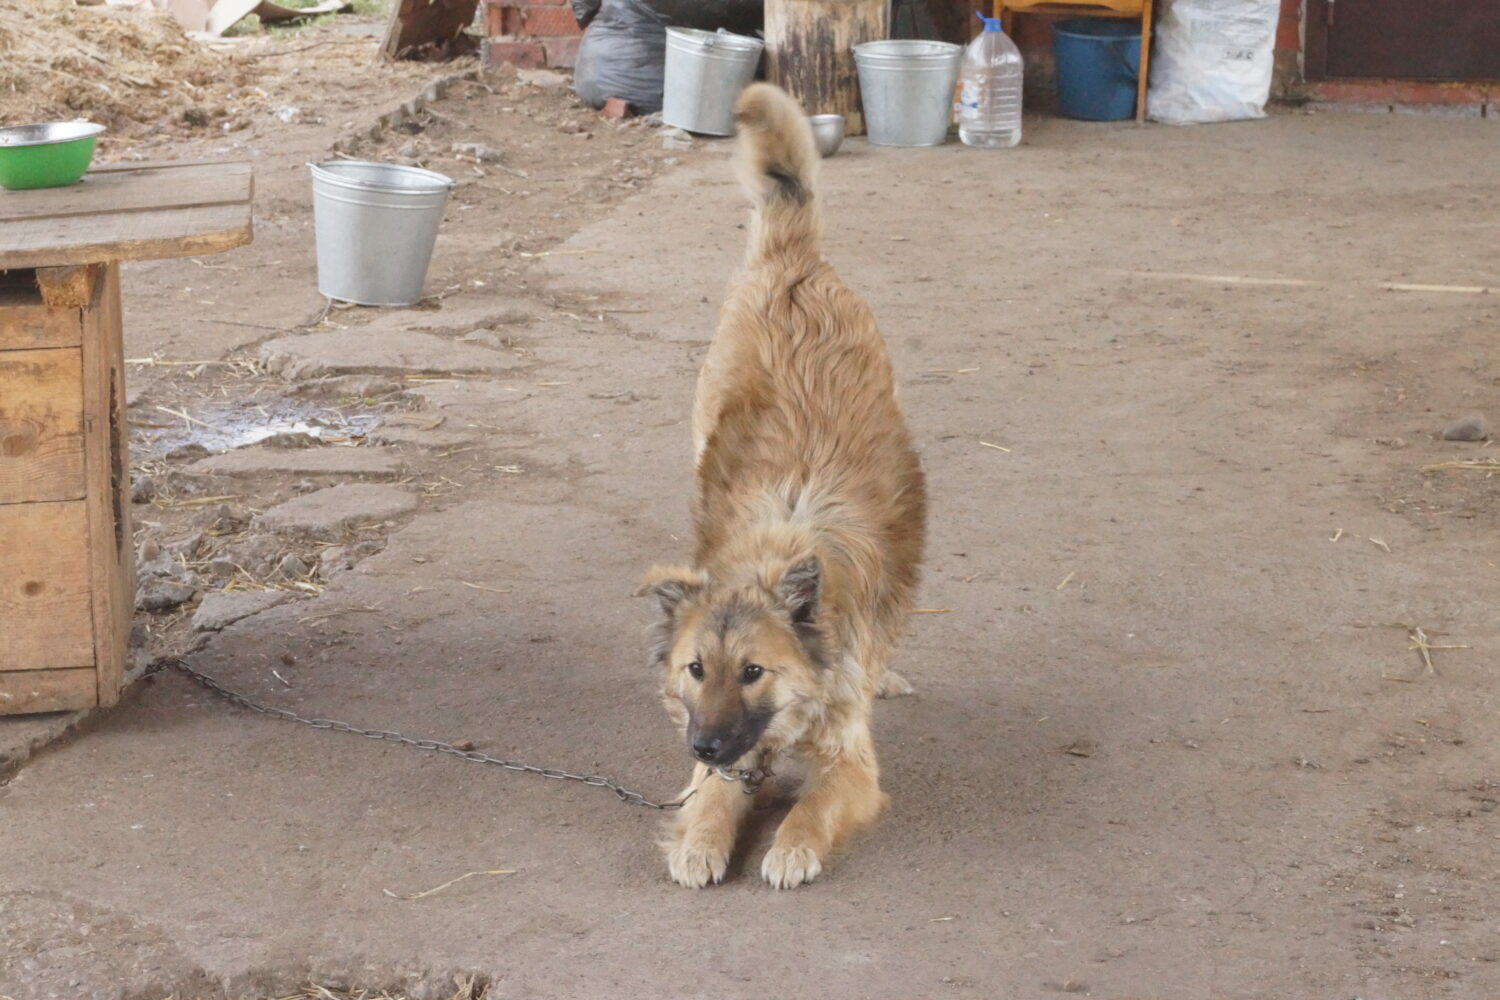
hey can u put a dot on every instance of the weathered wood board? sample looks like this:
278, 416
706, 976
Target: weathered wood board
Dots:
809, 52
44, 588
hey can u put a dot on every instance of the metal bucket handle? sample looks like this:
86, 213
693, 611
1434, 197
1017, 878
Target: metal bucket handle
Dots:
709, 41
451, 182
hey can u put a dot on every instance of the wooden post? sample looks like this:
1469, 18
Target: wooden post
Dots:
808, 52
66, 567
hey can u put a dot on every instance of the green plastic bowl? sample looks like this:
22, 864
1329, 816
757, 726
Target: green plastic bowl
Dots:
49, 155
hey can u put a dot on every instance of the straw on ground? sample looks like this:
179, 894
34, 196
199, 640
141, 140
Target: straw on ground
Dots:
451, 882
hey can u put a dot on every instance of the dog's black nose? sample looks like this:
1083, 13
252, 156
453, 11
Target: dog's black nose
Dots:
706, 748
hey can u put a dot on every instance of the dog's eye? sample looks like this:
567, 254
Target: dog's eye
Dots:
696, 669
751, 673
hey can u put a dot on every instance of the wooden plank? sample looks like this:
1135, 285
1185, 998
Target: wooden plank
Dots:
139, 213
143, 189
127, 166
41, 425
44, 586
26, 322
1077, 8
808, 52
149, 236
70, 287
111, 551
425, 29
24, 692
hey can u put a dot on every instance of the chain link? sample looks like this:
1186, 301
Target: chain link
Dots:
751, 778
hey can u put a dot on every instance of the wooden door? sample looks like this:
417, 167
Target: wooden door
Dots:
1403, 39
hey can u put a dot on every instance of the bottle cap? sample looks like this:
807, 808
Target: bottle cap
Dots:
990, 23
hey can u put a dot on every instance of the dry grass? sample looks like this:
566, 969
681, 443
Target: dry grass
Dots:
121, 67
1487, 465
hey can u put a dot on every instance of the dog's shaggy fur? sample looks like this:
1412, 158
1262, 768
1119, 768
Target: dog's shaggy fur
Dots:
809, 515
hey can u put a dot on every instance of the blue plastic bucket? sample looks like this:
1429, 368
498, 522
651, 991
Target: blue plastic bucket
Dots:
1098, 63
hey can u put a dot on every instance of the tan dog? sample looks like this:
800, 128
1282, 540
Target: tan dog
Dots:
809, 515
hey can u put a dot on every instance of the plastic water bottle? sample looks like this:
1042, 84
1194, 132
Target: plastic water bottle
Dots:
989, 103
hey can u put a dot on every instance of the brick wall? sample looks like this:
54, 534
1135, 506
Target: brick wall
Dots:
530, 33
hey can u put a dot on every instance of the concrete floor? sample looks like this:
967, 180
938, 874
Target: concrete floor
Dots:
1170, 741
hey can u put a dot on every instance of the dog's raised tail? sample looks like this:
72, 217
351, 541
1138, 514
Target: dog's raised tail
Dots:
778, 166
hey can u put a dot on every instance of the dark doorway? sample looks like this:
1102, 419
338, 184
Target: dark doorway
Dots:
1405, 39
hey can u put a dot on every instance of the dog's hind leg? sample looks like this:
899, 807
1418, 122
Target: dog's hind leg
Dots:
702, 835
893, 685
843, 796
882, 680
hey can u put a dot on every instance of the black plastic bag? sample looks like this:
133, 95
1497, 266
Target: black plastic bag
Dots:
622, 54
743, 17
584, 11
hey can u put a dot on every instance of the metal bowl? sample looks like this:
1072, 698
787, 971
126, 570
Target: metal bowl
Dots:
47, 155
828, 132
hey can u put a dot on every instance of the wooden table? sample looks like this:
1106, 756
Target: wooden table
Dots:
1007, 10
67, 566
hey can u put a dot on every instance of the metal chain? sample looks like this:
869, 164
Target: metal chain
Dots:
751, 778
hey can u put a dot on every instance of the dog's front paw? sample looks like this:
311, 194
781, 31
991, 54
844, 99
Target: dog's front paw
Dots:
893, 685
789, 867
695, 866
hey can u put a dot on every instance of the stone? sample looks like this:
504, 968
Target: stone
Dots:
409, 151
290, 439
221, 609
412, 434
378, 348
481, 151
327, 514
187, 547
675, 138
256, 555
156, 594
489, 338
544, 78
186, 452
152, 560
618, 107
292, 567
222, 520
325, 460
351, 387
221, 567
338, 558
1471, 428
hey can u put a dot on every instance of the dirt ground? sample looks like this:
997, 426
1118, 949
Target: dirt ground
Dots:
1172, 738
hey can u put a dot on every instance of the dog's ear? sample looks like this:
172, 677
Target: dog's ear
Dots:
799, 589
671, 585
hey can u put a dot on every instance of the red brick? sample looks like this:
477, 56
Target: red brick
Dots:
547, 3
550, 22
618, 107
527, 55
1402, 91
561, 52
1289, 28
502, 20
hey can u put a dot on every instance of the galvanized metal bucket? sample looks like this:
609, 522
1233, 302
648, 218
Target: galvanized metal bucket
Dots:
906, 88
706, 70
375, 226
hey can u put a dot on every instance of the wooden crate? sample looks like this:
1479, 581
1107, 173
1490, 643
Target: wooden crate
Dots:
66, 559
